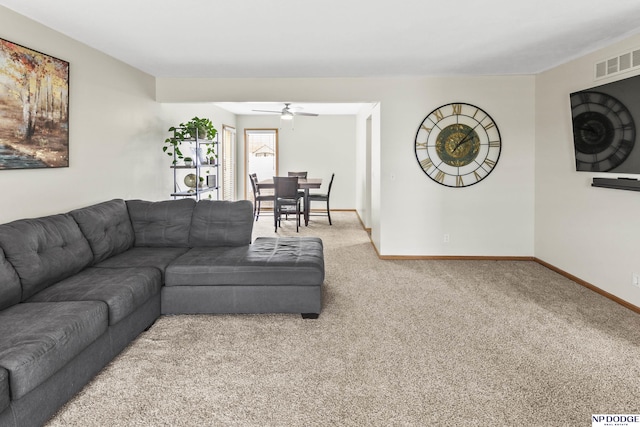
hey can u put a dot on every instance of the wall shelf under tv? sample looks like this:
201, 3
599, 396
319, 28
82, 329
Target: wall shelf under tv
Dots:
617, 183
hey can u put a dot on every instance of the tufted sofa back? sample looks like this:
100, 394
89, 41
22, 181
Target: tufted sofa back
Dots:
36, 253
161, 224
187, 223
10, 290
44, 250
107, 228
221, 223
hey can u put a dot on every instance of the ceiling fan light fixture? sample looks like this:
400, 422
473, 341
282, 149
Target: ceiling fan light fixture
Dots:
286, 115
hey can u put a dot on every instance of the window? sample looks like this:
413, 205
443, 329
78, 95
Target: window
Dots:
261, 154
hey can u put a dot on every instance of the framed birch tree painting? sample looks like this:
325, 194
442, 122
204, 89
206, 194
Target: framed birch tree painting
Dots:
34, 109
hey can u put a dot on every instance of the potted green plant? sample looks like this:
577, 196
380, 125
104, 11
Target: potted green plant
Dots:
196, 127
188, 161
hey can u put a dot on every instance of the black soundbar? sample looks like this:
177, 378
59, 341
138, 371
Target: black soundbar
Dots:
630, 184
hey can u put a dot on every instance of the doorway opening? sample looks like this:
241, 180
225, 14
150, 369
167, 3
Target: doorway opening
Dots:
261, 156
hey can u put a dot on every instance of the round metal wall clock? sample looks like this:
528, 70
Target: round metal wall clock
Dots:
458, 145
603, 131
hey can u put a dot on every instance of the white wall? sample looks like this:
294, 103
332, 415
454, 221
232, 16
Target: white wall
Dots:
367, 137
113, 136
410, 213
319, 145
592, 233
491, 218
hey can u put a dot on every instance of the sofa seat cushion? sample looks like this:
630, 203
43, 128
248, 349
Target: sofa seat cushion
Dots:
107, 227
268, 261
5, 395
44, 250
122, 289
159, 258
37, 339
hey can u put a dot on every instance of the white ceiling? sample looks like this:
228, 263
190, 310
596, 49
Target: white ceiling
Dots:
320, 108
338, 38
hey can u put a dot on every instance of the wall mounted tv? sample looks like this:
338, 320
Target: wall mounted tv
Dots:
605, 127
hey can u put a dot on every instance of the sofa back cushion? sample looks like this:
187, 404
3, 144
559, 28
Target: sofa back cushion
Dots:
161, 224
10, 290
107, 227
44, 250
221, 223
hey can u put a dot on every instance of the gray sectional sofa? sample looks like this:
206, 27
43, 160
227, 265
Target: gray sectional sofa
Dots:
77, 288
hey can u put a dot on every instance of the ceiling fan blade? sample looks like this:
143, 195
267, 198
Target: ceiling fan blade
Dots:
288, 111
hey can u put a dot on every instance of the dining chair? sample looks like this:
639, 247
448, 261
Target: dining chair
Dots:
302, 175
257, 197
321, 197
286, 199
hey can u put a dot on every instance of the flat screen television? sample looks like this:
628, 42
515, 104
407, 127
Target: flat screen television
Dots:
606, 123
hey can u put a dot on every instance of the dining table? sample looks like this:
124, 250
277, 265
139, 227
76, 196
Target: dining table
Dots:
303, 184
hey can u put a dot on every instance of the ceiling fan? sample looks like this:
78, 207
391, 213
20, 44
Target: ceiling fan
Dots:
287, 113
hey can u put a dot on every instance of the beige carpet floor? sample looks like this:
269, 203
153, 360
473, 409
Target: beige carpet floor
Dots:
399, 343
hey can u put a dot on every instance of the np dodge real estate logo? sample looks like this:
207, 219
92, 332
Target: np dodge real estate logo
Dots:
615, 420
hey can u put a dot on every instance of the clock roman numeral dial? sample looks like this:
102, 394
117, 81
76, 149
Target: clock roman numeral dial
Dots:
458, 145
426, 164
490, 163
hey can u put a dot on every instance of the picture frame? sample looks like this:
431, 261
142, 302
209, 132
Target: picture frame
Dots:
34, 109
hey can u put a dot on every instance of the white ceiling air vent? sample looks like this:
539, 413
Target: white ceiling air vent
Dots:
622, 63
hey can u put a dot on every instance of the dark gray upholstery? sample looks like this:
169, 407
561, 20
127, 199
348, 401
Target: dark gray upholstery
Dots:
221, 223
10, 290
241, 299
161, 224
124, 290
5, 396
159, 258
125, 331
44, 250
77, 288
107, 227
65, 383
57, 333
272, 275
37, 406
268, 261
